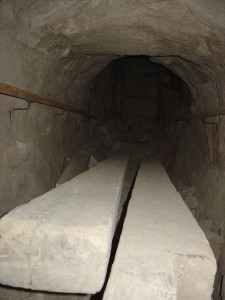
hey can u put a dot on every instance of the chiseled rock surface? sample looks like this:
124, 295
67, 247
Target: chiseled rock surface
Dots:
79, 161
162, 254
61, 241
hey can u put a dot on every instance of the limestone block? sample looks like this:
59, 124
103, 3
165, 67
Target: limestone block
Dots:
61, 241
162, 253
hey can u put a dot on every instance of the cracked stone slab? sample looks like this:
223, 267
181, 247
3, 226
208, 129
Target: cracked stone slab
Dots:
162, 253
61, 241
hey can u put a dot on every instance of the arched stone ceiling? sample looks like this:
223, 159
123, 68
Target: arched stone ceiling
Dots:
187, 36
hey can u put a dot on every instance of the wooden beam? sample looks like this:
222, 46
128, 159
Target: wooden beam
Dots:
28, 96
219, 112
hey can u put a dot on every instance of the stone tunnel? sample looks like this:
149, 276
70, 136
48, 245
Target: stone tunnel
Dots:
82, 81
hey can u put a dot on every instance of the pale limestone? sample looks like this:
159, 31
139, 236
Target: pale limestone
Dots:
61, 241
162, 254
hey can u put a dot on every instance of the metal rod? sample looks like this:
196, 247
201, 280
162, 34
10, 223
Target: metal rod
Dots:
28, 96
219, 112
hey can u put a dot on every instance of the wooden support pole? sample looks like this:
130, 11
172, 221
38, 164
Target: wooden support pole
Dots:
28, 96
219, 112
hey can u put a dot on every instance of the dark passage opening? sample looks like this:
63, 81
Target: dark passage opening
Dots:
140, 98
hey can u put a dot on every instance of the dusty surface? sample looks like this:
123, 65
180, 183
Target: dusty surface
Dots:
61, 241
162, 251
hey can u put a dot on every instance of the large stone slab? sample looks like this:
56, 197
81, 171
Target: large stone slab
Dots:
61, 241
162, 254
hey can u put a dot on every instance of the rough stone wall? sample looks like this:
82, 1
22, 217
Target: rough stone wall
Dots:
199, 161
36, 140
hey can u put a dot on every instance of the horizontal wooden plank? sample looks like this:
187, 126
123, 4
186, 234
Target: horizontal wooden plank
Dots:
12, 91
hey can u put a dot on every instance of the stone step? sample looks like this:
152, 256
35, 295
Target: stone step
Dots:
162, 253
61, 241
